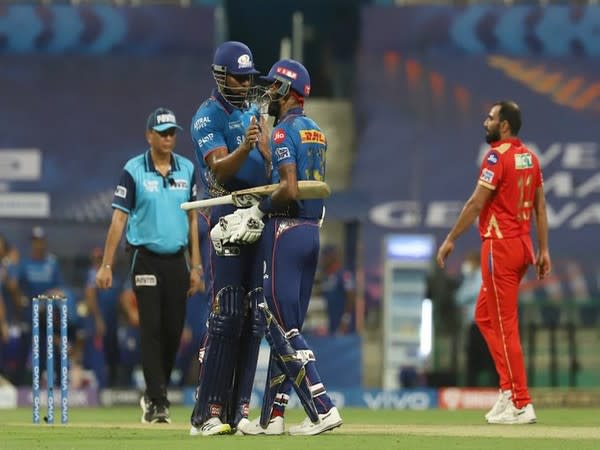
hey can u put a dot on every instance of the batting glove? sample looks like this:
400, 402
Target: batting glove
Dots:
249, 227
220, 234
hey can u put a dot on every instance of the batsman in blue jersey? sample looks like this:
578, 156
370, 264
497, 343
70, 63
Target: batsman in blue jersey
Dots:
290, 243
231, 144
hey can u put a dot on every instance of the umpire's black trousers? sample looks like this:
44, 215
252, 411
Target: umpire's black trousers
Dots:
160, 283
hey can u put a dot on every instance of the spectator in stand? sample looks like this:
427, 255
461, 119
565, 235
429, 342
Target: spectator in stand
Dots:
103, 309
38, 274
338, 287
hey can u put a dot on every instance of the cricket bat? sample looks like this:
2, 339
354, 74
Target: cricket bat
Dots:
307, 189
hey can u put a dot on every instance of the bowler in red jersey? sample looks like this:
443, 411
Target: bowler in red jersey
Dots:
509, 192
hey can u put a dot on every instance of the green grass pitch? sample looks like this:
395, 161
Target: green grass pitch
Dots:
114, 428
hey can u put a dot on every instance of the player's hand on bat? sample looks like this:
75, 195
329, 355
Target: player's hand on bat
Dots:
245, 200
221, 232
250, 225
543, 264
252, 135
445, 249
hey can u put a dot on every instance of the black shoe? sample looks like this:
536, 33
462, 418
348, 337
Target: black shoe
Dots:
162, 414
148, 410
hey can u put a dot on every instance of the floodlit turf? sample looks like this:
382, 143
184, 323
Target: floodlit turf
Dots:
119, 428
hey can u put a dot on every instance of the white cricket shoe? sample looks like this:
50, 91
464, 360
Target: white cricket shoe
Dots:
211, 427
252, 427
328, 421
515, 416
148, 410
504, 398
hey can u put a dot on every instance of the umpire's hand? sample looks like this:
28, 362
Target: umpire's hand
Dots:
196, 282
104, 277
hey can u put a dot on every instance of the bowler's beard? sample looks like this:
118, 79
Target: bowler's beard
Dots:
492, 136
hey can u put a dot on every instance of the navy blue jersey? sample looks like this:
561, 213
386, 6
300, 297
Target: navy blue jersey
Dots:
218, 125
107, 299
335, 286
39, 276
298, 140
152, 201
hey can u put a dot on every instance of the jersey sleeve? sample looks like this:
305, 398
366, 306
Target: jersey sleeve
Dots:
283, 150
124, 197
491, 171
207, 134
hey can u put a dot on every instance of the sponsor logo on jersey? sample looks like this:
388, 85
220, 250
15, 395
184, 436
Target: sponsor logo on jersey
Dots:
151, 185
312, 137
145, 280
492, 158
282, 153
201, 123
179, 184
487, 176
235, 124
206, 139
121, 191
278, 136
523, 161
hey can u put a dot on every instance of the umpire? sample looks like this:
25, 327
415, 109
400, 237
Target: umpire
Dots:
146, 201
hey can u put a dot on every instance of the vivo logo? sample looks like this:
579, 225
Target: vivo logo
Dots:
36, 315
398, 400
36, 347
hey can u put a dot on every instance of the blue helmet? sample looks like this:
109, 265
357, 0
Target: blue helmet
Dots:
234, 58
292, 75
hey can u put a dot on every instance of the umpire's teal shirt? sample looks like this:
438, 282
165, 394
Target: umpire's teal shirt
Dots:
152, 202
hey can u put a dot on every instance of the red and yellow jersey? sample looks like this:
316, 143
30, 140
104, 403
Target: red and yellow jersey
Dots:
513, 172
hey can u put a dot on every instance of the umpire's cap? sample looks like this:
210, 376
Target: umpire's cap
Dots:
162, 119
292, 74
235, 58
